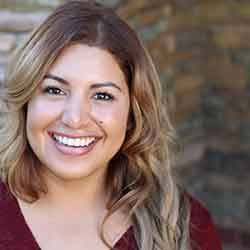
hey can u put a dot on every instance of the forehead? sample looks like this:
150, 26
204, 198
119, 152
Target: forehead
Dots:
86, 62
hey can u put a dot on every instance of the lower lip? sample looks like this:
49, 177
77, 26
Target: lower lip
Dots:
74, 151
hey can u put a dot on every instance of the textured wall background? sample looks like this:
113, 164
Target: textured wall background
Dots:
202, 51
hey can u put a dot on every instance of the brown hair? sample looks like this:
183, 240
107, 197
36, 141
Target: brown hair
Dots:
140, 176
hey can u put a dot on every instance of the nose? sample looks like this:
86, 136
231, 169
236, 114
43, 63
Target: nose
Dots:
76, 113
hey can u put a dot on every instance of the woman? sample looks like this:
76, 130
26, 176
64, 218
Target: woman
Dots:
85, 148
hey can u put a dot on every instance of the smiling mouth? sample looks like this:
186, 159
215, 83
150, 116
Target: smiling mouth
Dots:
80, 142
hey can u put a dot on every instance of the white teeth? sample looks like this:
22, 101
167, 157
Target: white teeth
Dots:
83, 142
75, 142
71, 142
78, 142
64, 140
88, 140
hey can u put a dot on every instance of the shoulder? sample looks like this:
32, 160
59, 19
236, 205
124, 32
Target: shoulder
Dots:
8, 217
203, 233
8, 207
7, 200
13, 230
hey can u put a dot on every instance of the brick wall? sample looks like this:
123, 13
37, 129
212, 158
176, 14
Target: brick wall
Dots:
202, 51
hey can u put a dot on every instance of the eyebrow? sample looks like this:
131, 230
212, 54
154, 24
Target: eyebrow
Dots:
93, 86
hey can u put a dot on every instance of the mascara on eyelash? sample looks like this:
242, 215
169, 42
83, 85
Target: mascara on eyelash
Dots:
104, 94
48, 89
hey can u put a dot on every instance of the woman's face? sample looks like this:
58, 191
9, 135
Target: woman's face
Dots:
77, 118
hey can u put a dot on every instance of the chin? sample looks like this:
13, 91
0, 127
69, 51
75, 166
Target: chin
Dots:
74, 175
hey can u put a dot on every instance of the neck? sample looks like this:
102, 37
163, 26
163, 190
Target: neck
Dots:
78, 203
86, 195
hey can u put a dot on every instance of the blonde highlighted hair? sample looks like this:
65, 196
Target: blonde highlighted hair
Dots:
140, 176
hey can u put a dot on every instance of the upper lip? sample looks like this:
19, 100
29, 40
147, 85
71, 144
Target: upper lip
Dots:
75, 135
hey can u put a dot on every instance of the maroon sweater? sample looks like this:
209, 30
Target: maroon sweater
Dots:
16, 235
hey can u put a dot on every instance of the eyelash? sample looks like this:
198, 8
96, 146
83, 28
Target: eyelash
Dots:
102, 96
53, 91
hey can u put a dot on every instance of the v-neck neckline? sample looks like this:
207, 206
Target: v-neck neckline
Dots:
34, 242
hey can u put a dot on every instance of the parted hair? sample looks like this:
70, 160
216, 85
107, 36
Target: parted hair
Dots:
141, 174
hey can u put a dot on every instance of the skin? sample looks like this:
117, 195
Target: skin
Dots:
84, 94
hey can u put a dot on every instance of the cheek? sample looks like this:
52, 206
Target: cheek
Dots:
40, 113
114, 117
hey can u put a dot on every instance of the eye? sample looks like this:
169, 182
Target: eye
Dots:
103, 96
53, 91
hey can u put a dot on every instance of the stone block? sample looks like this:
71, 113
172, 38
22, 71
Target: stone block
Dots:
224, 181
51, 3
152, 16
193, 38
28, 5
189, 101
225, 143
162, 48
193, 61
150, 20
236, 36
7, 42
215, 10
111, 3
1, 74
192, 152
3, 59
242, 8
209, 14
186, 83
129, 9
20, 22
200, 15
182, 4
237, 109
187, 105
225, 74
191, 129
150, 32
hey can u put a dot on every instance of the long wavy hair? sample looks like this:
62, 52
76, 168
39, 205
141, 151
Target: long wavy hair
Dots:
140, 176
